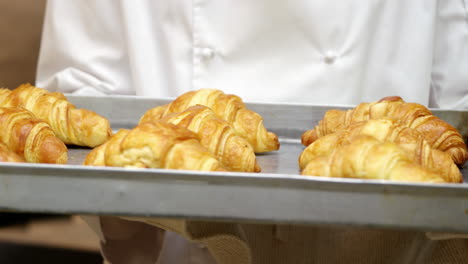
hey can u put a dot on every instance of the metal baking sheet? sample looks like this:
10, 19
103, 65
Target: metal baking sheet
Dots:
277, 195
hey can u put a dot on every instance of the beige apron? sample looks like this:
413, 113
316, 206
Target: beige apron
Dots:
261, 244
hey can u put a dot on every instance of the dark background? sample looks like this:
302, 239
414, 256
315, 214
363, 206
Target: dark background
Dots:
20, 33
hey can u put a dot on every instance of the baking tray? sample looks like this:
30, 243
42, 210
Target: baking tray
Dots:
277, 195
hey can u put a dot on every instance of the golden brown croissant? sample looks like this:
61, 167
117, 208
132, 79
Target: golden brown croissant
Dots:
4, 93
154, 114
245, 122
97, 156
387, 130
217, 135
437, 132
30, 137
368, 158
73, 126
154, 145
6, 155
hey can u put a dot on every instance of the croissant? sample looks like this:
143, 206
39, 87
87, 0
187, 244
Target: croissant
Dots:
6, 155
154, 114
368, 158
30, 137
388, 130
73, 126
245, 122
154, 145
217, 135
437, 132
97, 156
4, 94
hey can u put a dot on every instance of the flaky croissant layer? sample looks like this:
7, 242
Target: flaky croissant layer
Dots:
245, 122
154, 145
73, 126
437, 132
217, 135
387, 130
368, 158
30, 137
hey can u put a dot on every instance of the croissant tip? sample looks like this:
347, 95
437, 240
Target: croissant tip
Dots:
309, 137
391, 99
271, 144
52, 150
257, 168
458, 157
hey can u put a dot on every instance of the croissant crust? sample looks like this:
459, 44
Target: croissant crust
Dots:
368, 158
30, 137
437, 132
387, 130
6, 155
154, 145
245, 122
73, 126
217, 135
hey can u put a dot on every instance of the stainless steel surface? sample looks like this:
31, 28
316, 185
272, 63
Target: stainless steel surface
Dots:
278, 194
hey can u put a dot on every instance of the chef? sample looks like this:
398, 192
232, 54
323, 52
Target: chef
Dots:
312, 52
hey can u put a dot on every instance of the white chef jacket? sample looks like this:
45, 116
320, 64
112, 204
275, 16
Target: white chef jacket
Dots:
316, 51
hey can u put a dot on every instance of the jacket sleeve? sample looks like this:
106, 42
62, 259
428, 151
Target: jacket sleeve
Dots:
449, 86
83, 49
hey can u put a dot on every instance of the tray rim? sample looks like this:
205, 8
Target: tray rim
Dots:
267, 183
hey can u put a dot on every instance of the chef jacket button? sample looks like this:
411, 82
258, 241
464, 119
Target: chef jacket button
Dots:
207, 53
330, 57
